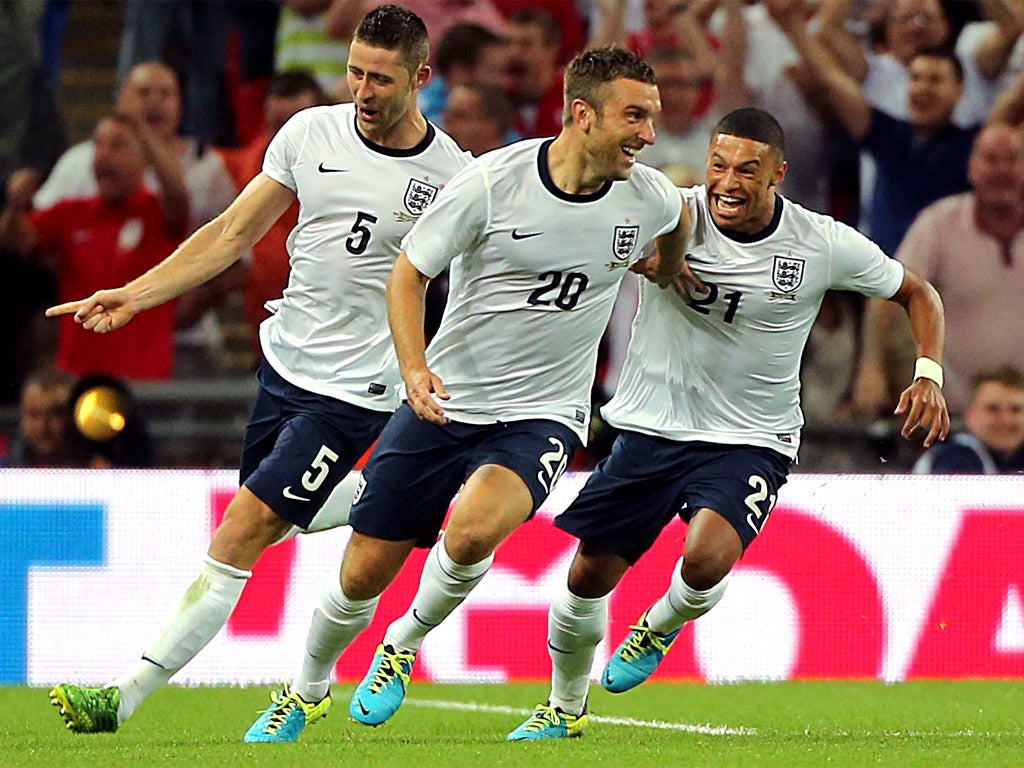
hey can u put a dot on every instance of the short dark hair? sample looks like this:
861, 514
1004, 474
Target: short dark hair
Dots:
1007, 375
596, 67
396, 29
538, 17
754, 124
295, 82
462, 44
947, 54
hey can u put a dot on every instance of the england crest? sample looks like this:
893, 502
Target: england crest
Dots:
788, 273
624, 241
418, 195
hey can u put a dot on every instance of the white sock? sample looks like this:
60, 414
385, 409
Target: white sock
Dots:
575, 627
682, 603
444, 584
203, 610
336, 622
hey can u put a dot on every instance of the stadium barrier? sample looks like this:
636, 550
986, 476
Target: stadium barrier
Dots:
857, 576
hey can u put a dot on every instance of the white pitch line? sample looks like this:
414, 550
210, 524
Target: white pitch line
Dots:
707, 729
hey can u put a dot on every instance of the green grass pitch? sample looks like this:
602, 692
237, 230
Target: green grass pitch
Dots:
925, 724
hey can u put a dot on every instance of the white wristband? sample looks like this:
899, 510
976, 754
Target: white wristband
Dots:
926, 368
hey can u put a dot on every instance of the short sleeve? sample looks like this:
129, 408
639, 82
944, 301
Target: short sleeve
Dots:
453, 224
283, 151
858, 264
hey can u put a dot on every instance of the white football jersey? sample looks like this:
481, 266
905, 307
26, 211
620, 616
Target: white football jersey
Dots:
533, 280
357, 200
726, 369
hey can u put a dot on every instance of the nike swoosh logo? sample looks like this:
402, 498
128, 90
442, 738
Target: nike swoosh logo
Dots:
555, 648
362, 709
154, 663
517, 235
325, 169
287, 493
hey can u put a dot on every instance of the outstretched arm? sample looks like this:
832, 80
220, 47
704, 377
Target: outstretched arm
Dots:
405, 296
205, 254
844, 93
923, 402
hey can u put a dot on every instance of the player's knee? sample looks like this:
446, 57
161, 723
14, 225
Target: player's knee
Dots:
588, 579
469, 544
703, 568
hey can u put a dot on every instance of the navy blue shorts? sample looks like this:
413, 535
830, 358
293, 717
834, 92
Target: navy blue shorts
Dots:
300, 445
646, 481
417, 467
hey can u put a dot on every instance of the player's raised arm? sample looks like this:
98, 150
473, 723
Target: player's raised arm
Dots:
405, 295
923, 401
207, 253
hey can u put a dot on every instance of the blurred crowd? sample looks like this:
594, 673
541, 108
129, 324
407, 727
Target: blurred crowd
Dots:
903, 118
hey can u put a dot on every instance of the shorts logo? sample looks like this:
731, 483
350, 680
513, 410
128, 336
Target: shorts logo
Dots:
624, 241
418, 195
553, 463
287, 493
360, 487
787, 273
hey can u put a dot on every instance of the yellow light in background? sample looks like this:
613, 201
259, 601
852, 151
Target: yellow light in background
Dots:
99, 413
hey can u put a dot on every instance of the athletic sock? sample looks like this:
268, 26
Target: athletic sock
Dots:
575, 627
682, 603
444, 584
200, 614
337, 620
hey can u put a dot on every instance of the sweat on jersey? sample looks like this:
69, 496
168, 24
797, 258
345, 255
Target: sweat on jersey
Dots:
357, 200
534, 274
726, 368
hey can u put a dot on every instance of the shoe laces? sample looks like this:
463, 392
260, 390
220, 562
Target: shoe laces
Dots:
544, 716
641, 641
282, 704
392, 664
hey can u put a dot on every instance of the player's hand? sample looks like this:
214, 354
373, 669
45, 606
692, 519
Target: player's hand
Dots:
664, 273
102, 312
422, 388
925, 407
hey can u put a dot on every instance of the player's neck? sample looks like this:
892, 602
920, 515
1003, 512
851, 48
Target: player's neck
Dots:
568, 167
405, 134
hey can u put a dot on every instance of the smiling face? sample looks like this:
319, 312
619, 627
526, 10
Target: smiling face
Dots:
621, 127
932, 92
995, 416
383, 89
119, 163
742, 175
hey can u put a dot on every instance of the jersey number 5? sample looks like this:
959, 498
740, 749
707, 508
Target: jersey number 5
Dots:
360, 237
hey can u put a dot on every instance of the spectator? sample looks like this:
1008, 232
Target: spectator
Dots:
110, 237
994, 49
468, 53
666, 24
191, 37
993, 442
919, 159
682, 144
314, 35
971, 247
478, 117
46, 437
267, 273
151, 95
535, 80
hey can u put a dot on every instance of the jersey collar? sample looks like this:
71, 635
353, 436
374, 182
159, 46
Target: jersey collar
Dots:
392, 152
549, 184
743, 237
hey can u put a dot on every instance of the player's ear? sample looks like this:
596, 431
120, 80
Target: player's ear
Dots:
780, 173
582, 114
422, 75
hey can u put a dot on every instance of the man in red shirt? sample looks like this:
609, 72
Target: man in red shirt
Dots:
110, 237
